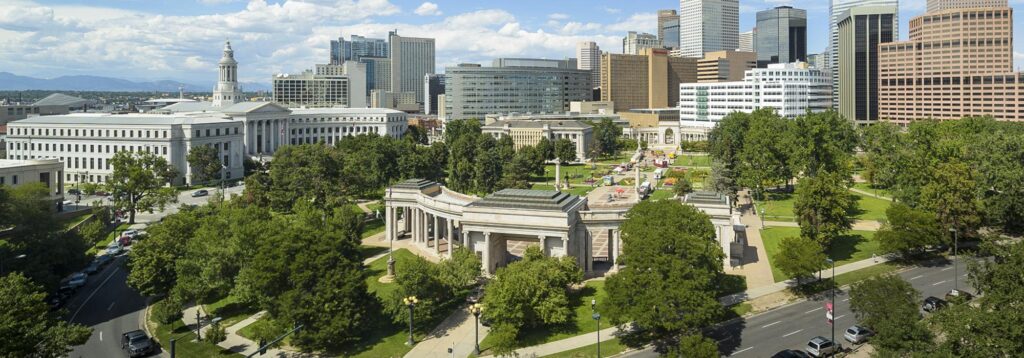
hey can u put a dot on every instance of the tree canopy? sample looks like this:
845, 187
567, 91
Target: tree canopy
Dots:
889, 306
204, 162
908, 231
27, 328
822, 207
799, 257
139, 182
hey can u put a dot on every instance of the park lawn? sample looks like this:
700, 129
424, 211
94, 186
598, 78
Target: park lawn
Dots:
70, 223
185, 344
690, 160
855, 246
867, 272
582, 321
777, 207
229, 310
375, 207
660, 194
869, 208
577, 173
373, 227
618, 158
877, 191
609, 347
369, 251
580, 189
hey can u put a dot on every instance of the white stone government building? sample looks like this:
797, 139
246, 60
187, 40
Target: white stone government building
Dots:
86, 142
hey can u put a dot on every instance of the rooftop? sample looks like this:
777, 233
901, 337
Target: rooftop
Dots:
612, 197
344, 111
538, 123
124, 119
60, 99
547, 200
8, 163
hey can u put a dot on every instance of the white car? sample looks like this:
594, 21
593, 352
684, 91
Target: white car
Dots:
820, 347
114, 249
131, 234
857, 334
77, 280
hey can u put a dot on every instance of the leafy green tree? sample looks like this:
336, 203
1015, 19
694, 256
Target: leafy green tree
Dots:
27, 329
827, 141
257, 189
488, 165
417, 277
204, 162
151, 266
51, 252
460, 272
606, 135
951, 195
89, 188
889, 305
695, 346
417, 134
682, 186
765, 154
565, 150
799, 257
461, 162
821, 207
139, 182
167, 310
93, 231
881, 143
308, 172
546, 148
526, 162
669, 285
909, 231
725, 143
369, 163
529, 293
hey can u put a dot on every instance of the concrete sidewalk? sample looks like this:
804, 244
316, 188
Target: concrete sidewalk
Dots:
456, 332
862, 225
855, 190
783, 285
570, 343
755, 268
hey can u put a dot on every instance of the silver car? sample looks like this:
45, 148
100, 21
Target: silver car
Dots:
857, 334
821, 347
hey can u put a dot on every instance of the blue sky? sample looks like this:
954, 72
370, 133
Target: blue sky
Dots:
181, 39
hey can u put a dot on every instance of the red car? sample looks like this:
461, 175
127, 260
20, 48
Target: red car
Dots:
124, 240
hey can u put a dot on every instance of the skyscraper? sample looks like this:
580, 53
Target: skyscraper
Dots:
513, 85
433, 86
635, 42
781, 36
861, 29
939, 5
227, 91
588, 57
747, 41
668, 28
352, 50
708, 25
412, 58
836, 9
648, 80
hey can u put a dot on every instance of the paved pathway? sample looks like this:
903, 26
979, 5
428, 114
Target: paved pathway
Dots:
858, 191
782, 285
863, 225
455, 332
756, 269
570, 343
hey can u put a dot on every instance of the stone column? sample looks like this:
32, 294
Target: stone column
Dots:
589, 248
543, 244
611, 248
405, 219
414, 214
437, 235
487, 253
450, 227
618, 244
565, 244
389, 226
465, 240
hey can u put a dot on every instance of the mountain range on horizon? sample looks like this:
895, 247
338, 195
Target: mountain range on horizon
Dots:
13, 82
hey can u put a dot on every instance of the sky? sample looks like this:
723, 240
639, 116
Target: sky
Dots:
181, 40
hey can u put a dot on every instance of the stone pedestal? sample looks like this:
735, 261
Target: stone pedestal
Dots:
391, 266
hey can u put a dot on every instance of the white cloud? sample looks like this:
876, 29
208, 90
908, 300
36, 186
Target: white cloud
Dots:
612, 10
558, 16
216, 2
196, 63
640, 22
428, 9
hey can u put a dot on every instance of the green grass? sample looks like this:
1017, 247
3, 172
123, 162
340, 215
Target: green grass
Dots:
250, 331
582, 321
70, 223
864, 273
869, 208
575, 189
373, 227
376, 207
661, 194
777, 207
577, 173
379, 268
868, 188
185, 345
102, 245
608, 348
618, 158
369, 251
229, 310
855, 246
693, 161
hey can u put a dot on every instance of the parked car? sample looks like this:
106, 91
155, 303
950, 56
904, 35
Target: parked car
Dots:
820, 346
932, 304
114, 249
101, 193
791, 353
132, 233
958, 296
74, 191
92, 268
857, 334
67, 203
77, 280
103, 260
199, 193
137, 343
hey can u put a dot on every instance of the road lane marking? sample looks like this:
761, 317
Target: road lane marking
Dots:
846, 299
965, 275
946, 269
837, 318
111, 306
101, 336
939, 283
97, 289
771, 324
916, 277
741, 351
791, 333
816, 309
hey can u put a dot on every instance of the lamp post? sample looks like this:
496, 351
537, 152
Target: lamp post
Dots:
476, 309
223, 174
410, 301
597, 317
762, 218
833, 263
16, 257
955, 239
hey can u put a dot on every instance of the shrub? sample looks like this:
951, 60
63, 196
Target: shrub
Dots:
167, 311
216, 334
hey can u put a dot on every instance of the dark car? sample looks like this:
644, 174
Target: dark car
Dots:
59, 299
137, 343
93, 268
103, 260
74, 191
791, 353
932, 304
101, 193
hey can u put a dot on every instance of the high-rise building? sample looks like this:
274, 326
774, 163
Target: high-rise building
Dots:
227, 91
781, 36
668, 28
411, 59
791, 89
939, 5
358, 47
836, 9
588, 57
919, 79
817, 60
747, 41
433, 86
635, 42
514, 86
329, 86
861, 29
649, 80
378, 73
724, 66
708, 25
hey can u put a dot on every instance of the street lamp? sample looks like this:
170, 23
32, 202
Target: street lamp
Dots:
17, 257
410, 301
833, 263
955, 257
476, 309
762, 218
223, 174
597, 317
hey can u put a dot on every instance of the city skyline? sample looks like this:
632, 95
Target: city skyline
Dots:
165, 40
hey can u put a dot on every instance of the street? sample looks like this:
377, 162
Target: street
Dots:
107, 304
790, 327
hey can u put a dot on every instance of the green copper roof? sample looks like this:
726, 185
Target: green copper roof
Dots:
528, 199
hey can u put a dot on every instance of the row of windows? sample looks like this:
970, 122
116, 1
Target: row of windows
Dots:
68, 132
78, 148
215, 132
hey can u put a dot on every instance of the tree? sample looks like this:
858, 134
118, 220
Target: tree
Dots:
139, 182
487, 166
821, 207
669, 286
27, 329
151, 266
951, 195
529, 293
418, 277
909, 231
461, 161
881, 143
827, 141
460, 272
546, 148
725, 143
416, 134
309, 172
606, 135
93, 231
799, 257
51, 252
765, 153
682, 186
204, 162
525, 163
565, 150
889, 305
695, 346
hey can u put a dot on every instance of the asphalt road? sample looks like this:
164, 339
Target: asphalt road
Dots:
790, 327
108, 305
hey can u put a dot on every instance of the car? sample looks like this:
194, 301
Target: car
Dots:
201, 192
132, 233
67, 203
958, 296
137, 343
101, 193
92, 268
74, 191
857, 334
932, 304
820, 346
103, 260
791, 353
77, 280
114, 249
